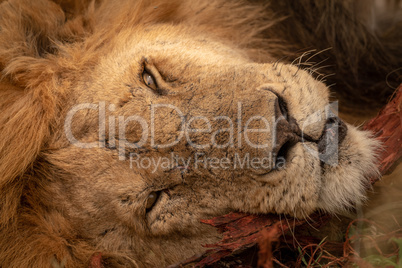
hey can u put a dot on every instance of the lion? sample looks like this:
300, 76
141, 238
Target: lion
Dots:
124, 123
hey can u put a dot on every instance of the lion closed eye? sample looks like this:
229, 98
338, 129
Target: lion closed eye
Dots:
126, 122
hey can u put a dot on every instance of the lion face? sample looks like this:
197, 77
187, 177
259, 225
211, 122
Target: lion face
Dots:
172, 127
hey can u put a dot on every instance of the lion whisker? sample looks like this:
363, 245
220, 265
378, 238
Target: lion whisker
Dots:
319, 52
276, 63
302, 55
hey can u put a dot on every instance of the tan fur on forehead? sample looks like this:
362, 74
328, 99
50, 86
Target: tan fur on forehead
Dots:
235, 21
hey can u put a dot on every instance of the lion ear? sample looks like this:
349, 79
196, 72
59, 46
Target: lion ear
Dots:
35, 29
30, 34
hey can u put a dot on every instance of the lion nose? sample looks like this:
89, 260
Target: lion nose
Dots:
282, 126
287, 132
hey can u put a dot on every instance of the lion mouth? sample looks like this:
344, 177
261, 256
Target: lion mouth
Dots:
335, 131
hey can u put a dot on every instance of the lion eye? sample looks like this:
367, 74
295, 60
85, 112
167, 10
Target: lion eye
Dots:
149, 80
152, 197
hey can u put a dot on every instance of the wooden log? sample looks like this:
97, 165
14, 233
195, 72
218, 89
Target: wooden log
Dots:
387, 127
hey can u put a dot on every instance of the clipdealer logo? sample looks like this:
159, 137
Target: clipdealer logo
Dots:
117, 137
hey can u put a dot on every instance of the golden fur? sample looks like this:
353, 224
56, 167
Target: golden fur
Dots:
61, 203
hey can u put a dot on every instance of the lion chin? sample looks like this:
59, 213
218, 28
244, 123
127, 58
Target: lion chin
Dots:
124, 124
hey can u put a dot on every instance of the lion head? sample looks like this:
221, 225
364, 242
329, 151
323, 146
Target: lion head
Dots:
140, 125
